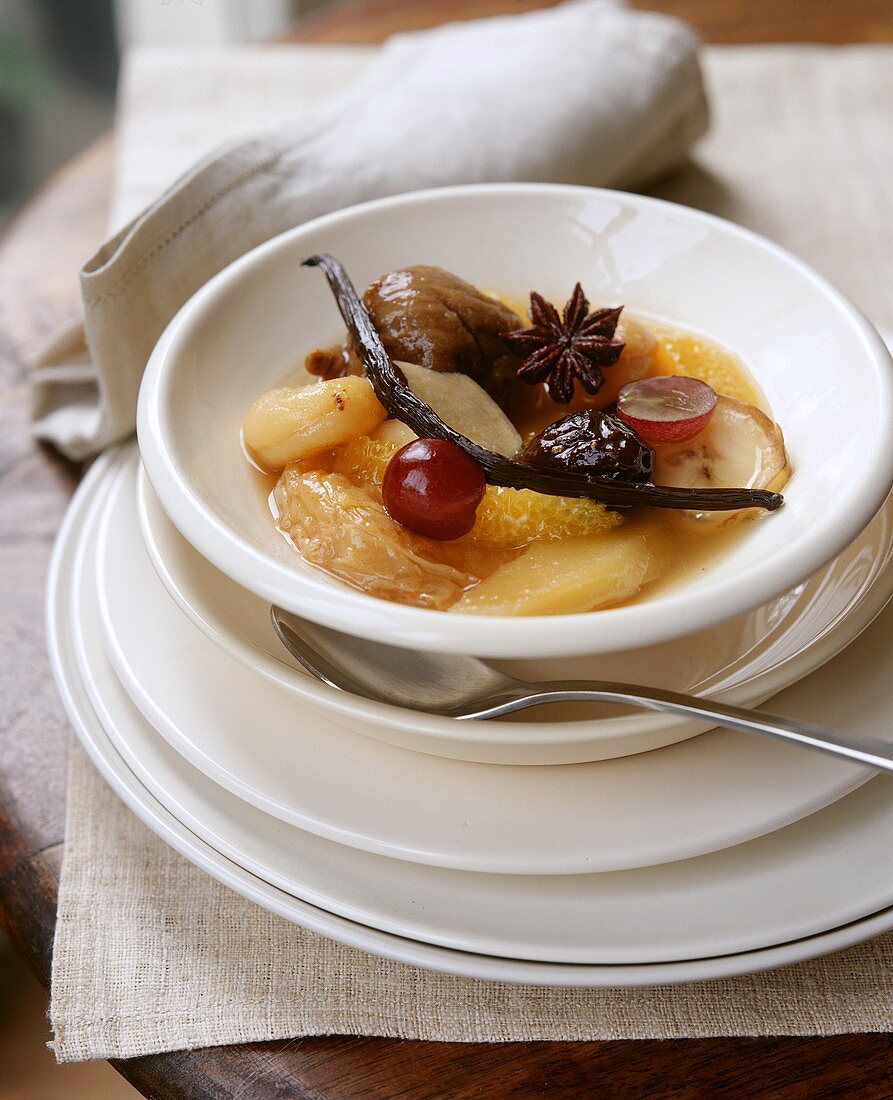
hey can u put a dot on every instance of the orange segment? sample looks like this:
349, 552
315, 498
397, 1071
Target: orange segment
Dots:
515, 517
506, 518
698, 358
364, 460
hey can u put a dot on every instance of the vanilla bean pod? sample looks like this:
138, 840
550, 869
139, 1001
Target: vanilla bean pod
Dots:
393, 392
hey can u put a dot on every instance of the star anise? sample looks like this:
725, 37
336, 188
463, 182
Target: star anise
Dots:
558, 349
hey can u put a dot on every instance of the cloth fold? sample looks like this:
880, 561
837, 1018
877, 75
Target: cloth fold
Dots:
588, 92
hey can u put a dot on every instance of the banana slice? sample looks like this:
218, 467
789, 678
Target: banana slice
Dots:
740, 447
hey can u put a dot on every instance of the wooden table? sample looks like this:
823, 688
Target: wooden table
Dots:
39, 258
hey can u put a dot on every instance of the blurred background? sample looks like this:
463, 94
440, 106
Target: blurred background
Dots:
59, 58
58, 70
59, 62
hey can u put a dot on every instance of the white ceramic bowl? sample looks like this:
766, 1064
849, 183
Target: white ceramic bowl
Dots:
826, 373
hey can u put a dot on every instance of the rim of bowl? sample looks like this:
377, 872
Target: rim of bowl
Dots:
326, 601
565, 732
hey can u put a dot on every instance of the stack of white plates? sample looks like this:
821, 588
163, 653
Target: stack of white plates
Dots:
707, 857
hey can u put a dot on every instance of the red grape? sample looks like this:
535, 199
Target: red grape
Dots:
667, 408
434, 488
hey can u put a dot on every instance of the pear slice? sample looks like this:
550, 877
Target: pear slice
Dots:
564, 577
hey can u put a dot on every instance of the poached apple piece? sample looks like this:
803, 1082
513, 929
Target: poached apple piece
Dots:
564, 577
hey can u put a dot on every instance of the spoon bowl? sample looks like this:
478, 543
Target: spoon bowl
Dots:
463, 687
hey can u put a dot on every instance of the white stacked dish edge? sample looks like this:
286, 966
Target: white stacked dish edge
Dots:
744, 661
326, 777
61, 621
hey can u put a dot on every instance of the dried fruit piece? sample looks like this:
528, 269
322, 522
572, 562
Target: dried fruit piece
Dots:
428, 316
668, 409
563, 578
342, 529
333, 362
289, 424
635, 361
433, 488
591, 442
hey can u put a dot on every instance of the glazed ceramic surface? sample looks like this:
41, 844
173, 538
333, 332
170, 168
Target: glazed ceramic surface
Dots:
744, 661
323, 775
823, 368
812, 861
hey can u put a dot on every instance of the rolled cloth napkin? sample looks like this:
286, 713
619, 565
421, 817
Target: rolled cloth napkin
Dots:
588, 92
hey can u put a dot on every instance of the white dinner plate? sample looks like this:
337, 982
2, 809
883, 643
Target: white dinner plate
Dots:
304, 767
744, 661
837, 861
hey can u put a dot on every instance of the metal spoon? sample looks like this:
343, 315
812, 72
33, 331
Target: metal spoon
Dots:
466, 687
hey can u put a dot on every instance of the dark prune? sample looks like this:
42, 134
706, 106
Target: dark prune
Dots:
592, 442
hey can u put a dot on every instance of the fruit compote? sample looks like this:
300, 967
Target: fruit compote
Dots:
617, 400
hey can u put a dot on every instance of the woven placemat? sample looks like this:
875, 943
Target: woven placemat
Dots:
152, 954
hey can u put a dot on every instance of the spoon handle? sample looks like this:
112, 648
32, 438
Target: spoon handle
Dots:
864, 750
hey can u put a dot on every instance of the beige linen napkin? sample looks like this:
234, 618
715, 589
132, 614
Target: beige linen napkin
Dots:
587, 92
150, 953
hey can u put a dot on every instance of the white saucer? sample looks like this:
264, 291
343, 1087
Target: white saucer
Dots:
299, 765
744, 661
795, 875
